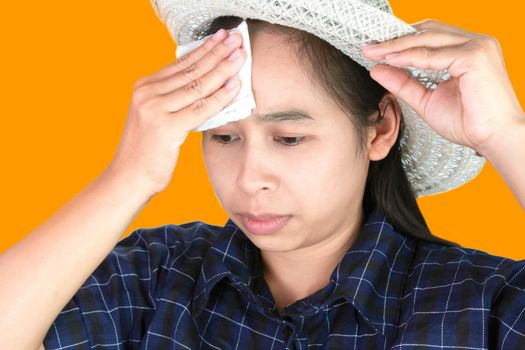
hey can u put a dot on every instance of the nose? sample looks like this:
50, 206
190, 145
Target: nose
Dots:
257, 171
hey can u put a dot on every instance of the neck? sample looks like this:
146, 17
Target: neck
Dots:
294, 275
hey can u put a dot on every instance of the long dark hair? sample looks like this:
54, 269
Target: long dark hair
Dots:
351, 87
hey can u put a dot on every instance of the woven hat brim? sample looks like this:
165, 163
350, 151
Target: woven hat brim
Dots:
433, 164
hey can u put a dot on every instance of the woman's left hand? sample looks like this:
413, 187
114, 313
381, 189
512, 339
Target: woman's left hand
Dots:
475, 105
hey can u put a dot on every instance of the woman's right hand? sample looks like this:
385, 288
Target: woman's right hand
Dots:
168, 104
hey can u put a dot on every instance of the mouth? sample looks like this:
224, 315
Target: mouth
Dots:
264, 224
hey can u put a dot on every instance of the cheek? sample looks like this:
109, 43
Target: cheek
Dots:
332, 177
313, 177
218, 173
216, 168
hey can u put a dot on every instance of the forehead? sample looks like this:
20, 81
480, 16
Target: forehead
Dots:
276, 72
282, 89
284, 93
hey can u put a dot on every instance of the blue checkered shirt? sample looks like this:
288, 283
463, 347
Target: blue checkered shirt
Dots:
198, 286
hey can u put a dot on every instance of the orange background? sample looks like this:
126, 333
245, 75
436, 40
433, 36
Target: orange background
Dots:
68, 71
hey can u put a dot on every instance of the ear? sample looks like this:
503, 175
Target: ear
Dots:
383, 135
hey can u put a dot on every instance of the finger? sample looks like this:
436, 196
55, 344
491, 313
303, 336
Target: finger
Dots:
428, 38
192, 73
402, 85
449, 58
202, 110
187, 60
203, 86
433, 24
199, 68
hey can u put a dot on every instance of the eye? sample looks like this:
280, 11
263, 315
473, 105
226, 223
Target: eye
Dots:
289, 141
220, 138
284, 140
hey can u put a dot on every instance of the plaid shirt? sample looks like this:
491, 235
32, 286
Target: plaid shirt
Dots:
198, 286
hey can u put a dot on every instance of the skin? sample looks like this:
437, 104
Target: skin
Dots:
320, 181
477, 107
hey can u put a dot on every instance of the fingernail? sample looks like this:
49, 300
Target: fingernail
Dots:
371, 44
230, 40
218, 35
231, 84
235, 54
391, 55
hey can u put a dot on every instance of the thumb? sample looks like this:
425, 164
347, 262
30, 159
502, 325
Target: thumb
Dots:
402, 85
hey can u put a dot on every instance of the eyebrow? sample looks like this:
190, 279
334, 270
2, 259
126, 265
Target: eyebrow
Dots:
294, 116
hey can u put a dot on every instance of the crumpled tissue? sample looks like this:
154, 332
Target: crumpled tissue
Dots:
241, 106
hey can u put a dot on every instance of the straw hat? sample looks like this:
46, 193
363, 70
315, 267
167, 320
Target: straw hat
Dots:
432, 163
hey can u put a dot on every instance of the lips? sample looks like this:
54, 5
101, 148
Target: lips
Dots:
264, 224
263, 216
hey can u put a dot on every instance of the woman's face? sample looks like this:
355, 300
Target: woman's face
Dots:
306, 168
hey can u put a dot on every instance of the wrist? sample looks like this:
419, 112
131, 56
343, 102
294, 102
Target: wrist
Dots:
128, 181
505, 140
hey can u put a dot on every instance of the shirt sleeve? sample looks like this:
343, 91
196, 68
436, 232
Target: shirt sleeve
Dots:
507, 314
117, 301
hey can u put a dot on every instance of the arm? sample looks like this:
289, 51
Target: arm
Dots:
506, 153
41, 273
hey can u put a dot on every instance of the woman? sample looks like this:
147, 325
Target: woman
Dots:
348, 262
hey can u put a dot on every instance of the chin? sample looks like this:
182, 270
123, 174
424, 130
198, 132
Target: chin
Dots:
275, 243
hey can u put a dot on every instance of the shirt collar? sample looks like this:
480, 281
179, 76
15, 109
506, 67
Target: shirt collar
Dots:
231, 255
371, 275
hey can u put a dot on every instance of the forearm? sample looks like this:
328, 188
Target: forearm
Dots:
41, 273
507, 154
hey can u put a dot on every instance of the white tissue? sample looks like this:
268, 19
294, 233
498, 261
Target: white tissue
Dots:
241, 106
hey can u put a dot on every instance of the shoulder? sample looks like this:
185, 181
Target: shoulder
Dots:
147, 252
131, 281
438, 257
481, 288
196, 235
471, 274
